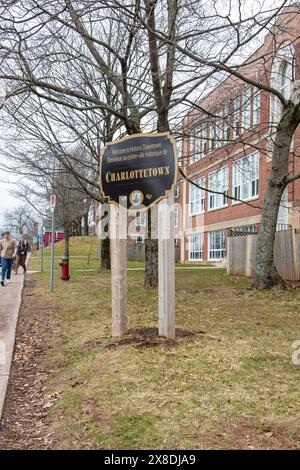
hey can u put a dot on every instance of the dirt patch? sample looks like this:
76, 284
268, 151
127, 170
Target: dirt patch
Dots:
24, 422
142, 338
251, 435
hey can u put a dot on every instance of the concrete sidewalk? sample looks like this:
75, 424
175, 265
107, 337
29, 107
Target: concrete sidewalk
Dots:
10, 302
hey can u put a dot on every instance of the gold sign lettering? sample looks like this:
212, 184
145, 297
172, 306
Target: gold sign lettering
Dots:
137, 174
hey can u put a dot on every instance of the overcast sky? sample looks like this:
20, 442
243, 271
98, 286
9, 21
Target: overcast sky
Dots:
7, 201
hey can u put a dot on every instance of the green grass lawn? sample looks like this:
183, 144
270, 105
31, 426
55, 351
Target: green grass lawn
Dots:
227, 381
81, 248
75, 264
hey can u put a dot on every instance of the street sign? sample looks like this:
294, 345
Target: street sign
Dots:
141, 167
52, 202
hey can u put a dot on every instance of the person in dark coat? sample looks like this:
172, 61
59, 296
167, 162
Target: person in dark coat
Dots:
22, 250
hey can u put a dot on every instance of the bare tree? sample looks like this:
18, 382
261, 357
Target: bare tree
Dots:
21, 220
224, 58
156, 64
83, 50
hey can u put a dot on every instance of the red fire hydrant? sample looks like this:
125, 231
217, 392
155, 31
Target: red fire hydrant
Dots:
64, 264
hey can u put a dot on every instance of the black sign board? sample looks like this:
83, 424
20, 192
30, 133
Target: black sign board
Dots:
141, 167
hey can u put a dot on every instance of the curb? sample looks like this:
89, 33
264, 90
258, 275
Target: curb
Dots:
8, 326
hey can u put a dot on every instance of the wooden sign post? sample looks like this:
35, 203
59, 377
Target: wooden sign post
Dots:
118, 252
137, 172
166, 268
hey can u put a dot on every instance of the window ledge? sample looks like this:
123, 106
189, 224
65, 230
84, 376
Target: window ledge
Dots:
252, 198
217, 208
196, 213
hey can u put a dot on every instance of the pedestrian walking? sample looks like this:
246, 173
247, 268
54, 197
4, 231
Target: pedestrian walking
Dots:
22, 250
8, 250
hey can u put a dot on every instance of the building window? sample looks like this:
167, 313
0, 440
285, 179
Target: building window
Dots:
176, 190
245, 229
216, 244
192, 147
197, 197
286, 77
219, 130
197, 144
246, 108
218, 181
227, 121
140, 240
211, 136
246, 177
203, 140
140, 219
282, 76
236, 117
195, 247
256, 107
179, 152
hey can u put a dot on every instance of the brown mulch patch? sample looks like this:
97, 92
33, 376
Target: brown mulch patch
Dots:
24, 421
142, 338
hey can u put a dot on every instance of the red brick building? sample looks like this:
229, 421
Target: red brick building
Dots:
229, 150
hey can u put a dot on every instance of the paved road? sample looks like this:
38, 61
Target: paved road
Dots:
10, 301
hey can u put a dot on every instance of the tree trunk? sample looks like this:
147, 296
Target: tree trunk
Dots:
266, 275
151, 264
162, 94
66, 244
151, 258
105, 254
86, 224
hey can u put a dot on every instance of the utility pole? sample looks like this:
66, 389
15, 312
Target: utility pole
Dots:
52, 203
41, 242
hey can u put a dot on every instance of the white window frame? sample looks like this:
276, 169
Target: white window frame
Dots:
286, 78
204, 140
176, 190
246, 109
285, 54
226, 117
197, 143
211, 136
192, 239
179, 152
197, 197
236, 117
192, 147
221, 251
218, 181
219, 129
244, 229
256, 107
245, 178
